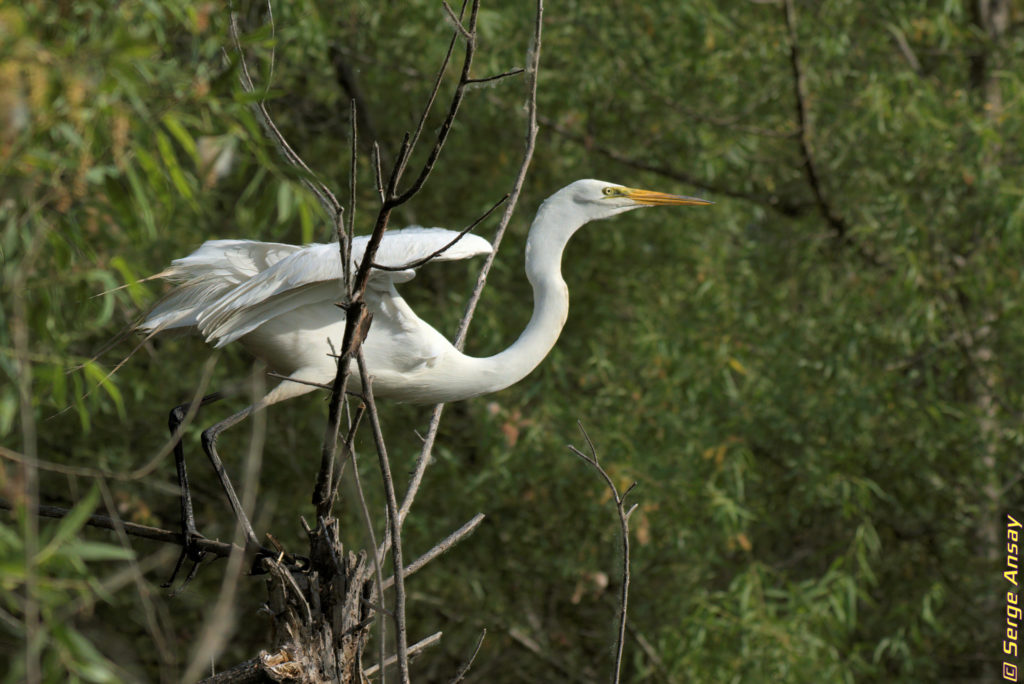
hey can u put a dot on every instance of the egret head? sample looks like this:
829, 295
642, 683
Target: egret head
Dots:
600, 199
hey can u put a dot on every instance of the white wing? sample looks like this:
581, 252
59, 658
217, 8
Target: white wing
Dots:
206, 275
230, 288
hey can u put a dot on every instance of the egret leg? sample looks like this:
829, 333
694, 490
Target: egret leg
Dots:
209, 439
189, 532
252, 544
210, 447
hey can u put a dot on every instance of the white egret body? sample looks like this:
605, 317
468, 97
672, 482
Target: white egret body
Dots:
279, 301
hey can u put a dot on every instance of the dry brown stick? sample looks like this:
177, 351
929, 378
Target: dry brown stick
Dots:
219, 549
461, 674
324, 491
392, 198
439, 548
530, 141
460, 338
620, 507
497, 77
326, 198
783, 206
394, 526
401, 162
372, 537
413, 650
356, 312
430, 257
803, 118
468, 33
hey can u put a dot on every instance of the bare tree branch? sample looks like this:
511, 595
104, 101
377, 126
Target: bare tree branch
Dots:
420, 262
461, 674
357, 315
497, 77
394, 525
620, 506
532, 68
217, 548
420, 645
837, 222
439, 548
327, 199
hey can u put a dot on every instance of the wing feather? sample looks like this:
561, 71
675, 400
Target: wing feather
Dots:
229, 288
206, 275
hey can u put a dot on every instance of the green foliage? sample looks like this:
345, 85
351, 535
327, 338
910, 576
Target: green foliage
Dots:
821, 406
55, 576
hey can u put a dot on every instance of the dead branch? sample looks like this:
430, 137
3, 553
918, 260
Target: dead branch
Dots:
356, 310
620, 507
781, 205
217, 548
439, 548
532, 69
394, 527
414, 649
434, 255
803, 118
461, 674
327, 199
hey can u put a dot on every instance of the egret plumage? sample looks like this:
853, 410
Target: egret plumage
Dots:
279, 302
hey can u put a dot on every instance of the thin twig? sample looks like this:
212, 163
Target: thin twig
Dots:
349, 450
419, 262
401, 644
217, 548
453, 108
532, 69
439, 548
624, 515
497, 77
455, 20
356, 307
143, 470
413, 650
326, 198
378, 174
803, 119
371, 535
402, 160
461, 674
392, 198
460, 338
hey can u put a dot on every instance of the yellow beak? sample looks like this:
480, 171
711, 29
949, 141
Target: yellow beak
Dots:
652, 198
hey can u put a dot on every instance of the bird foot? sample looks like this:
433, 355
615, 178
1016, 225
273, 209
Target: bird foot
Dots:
192, 551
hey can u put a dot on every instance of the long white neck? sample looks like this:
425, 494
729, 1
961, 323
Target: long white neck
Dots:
549, 234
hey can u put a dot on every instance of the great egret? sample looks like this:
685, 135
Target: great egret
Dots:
279, 301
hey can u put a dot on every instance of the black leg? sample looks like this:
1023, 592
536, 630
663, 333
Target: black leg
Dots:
251, 542
210, 447
189, 533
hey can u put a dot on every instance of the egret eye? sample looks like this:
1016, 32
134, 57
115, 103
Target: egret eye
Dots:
609, 192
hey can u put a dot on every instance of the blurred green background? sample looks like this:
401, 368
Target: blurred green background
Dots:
815, 382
